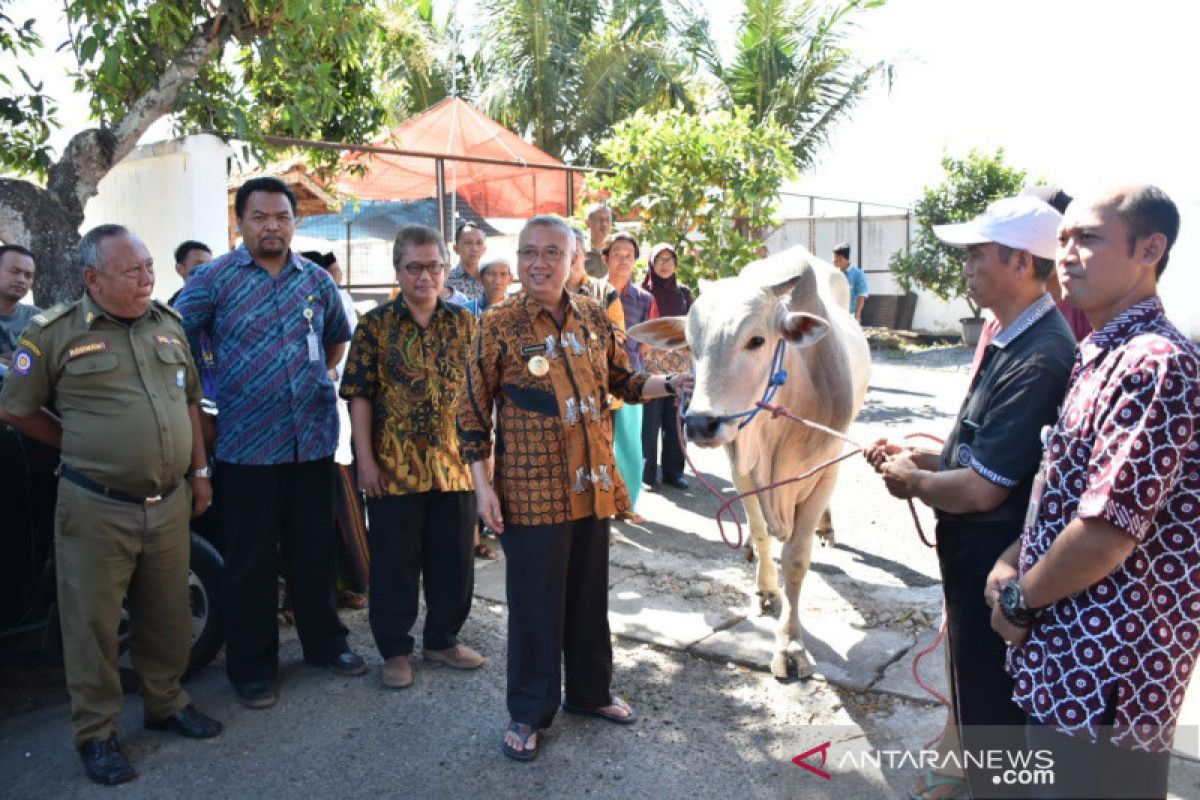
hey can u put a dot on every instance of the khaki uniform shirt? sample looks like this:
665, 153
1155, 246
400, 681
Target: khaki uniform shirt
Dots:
594, 263
554, 441
412, 377
122, 392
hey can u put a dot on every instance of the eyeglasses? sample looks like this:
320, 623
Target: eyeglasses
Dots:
666, 260
414, 268
551, 254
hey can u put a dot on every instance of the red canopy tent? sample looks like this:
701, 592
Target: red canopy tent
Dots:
454, 127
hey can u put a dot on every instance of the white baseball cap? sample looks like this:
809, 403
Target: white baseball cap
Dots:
1023, 222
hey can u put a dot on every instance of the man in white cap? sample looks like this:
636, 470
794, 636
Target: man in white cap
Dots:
979, 484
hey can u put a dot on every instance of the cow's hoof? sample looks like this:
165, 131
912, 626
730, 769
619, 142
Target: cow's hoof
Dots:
768, 604
803, 665
827, 536
780, 666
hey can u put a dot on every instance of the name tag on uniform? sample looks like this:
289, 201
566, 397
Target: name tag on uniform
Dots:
533, 349
168, 340
86, 349
314, 346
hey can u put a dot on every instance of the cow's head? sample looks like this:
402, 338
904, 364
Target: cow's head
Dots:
733, 329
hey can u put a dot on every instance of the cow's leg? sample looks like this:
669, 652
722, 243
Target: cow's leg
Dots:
825, 529
797, 555
766, 575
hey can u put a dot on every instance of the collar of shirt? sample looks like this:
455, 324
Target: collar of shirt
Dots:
534, 307
1024, 321
401, 309
242, 257
1119, 329
92, 311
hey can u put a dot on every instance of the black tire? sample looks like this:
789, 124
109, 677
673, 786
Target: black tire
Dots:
206, 580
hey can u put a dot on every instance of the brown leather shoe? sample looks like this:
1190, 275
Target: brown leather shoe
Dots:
397, 672
460, 657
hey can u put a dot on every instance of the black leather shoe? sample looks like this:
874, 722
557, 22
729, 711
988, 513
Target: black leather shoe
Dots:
348, 663
678, 481
188, 722
257, 694
105, 763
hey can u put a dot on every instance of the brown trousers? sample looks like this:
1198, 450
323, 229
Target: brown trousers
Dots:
105, 548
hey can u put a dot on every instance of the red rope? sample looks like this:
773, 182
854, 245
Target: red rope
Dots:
726, 505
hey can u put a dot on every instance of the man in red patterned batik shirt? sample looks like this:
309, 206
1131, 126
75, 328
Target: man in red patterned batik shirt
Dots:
1101, 601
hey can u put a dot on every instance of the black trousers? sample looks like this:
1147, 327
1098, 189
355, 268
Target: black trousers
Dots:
660, 414
271, 513
557, 585
427, 534
988, 719
1096, 770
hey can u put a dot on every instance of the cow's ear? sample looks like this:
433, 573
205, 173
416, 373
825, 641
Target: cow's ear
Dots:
665, 333
784, 289
804, 329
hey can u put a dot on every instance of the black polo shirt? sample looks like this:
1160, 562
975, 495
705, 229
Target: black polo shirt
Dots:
1017, 390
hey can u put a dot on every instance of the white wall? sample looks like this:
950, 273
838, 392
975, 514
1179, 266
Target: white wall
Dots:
168, 192
882, 236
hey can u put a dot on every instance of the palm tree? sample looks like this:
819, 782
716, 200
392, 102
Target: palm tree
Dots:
563, 72
423, 62
791, 65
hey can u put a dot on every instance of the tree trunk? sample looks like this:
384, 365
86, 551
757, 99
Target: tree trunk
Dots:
33, 217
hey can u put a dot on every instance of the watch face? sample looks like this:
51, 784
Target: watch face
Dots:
1010, 596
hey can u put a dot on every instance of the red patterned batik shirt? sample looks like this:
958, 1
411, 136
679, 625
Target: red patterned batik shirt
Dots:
1124, 450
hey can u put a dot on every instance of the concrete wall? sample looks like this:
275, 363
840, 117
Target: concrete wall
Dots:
168, 192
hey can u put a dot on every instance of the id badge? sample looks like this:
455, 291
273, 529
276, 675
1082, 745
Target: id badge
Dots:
314, 346
1039, 483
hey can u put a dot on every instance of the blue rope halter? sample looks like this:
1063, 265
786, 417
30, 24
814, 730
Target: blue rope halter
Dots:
778, 377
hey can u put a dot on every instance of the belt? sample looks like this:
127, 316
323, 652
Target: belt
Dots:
83, 481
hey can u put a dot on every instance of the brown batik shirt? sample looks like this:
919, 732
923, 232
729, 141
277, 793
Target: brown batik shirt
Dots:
554, 438
413, 377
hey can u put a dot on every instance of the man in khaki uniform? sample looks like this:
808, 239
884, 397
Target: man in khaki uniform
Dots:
119, 369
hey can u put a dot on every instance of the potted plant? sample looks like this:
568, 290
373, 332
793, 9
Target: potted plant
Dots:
970, 184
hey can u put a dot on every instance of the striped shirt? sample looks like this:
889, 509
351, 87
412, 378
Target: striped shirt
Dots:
278, 405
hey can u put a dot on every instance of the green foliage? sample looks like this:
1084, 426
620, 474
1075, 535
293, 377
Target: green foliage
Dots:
422, 59
296, 68
26, 115
791, 65
970, 185
562, 73
710, 183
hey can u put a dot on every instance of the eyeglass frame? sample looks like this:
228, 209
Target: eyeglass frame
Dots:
434, 268
532, 254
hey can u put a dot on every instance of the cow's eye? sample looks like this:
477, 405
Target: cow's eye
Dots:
755, 342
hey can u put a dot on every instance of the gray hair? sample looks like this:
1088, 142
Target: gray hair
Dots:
581, 242
594, 207
89, 245
548, 221
415, 236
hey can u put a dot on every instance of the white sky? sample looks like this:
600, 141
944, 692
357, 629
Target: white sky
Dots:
1084, 93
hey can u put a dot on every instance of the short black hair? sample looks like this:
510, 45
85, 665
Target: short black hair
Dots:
469, 225
1148, 210
266, 183
14, 248
322, 260
1042, 267
623, 236
187, 247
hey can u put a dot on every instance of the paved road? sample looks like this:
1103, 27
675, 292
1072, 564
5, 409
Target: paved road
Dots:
690, 653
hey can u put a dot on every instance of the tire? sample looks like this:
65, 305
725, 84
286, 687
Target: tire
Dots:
206, 579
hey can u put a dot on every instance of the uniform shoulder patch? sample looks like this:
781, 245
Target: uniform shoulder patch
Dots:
22, 361
52, 314
161, 306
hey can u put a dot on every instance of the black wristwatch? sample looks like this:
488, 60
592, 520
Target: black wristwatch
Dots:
1012, 605
667, 384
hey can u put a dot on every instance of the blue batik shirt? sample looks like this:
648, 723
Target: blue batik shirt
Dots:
277, 404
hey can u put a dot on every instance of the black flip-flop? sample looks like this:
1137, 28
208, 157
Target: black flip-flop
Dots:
522, 753
595, 712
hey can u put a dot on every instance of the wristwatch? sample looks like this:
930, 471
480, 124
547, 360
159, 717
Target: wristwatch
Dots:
1012, 605
203, 472
667, 383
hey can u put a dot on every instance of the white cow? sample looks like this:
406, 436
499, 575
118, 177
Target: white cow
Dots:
733, 330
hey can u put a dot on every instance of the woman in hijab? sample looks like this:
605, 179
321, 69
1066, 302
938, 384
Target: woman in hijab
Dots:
670, 300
